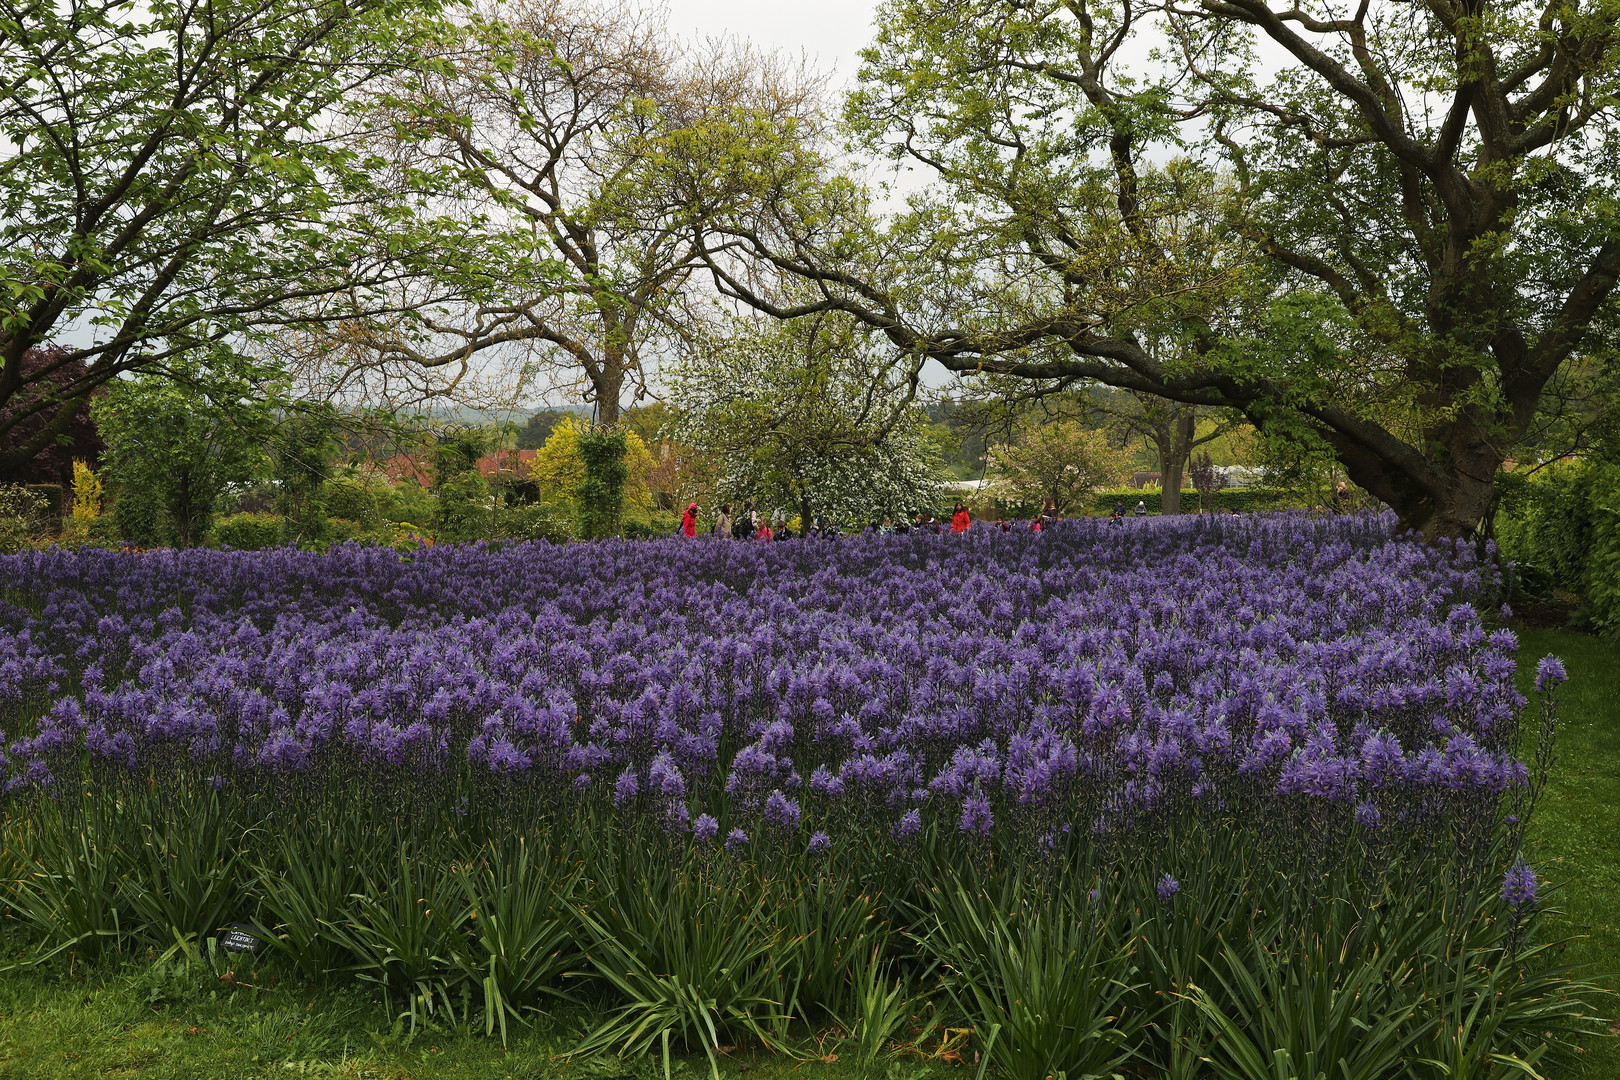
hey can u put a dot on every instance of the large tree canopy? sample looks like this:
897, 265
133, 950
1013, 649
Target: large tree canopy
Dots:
554, 121
178, 176
1383, 228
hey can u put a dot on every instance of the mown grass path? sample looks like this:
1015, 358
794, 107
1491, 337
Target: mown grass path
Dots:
1575, 836
144, 1024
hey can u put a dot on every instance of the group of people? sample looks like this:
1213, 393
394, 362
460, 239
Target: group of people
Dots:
747, 523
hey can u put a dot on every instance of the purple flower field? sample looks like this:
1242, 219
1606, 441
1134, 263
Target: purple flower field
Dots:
1041, 685
1095, 801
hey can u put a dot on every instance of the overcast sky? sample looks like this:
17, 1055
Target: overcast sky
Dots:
828, 31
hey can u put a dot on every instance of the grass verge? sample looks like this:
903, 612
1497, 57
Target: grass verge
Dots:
1574, 838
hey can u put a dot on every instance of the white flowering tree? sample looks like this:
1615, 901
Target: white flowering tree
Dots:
810, 417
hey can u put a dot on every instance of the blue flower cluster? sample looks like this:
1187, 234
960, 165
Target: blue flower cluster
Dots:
1076, 681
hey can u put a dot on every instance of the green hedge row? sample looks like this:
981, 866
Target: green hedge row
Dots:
1242, 500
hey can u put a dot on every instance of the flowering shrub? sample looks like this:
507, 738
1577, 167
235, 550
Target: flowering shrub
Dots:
1179, 725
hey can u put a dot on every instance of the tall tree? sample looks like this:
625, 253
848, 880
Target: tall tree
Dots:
555, 116
175, 183
1385, 231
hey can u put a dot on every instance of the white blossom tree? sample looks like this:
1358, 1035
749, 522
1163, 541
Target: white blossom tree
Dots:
810, 416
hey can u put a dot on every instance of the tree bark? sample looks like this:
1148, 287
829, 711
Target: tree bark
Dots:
1171, 470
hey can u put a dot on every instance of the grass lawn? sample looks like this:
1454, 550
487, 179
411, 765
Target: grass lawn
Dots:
146, 1022
1575, 836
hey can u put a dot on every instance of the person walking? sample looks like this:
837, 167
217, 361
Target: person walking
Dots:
689, 522
722, 522
1118, 516
747, 523
1049, 514
960, 519
1141, 508
764, 535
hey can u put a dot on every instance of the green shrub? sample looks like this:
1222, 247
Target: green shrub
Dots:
1603, 557
537, 521
344, 531
357, 500
1558, 530
54, 499
22, 510
466, 509
249, 532
407, 502
650, 527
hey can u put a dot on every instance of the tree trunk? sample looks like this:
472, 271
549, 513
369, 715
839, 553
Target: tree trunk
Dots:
607, 384
1170, 471
1445, 496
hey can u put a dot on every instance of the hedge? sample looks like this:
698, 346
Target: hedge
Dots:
249, 532
1247, 500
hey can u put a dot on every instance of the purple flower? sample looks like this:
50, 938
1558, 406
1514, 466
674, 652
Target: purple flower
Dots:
705, 828
736, 838
909, 825
625, 787
781, 811
1519, 884
820, 842
1168, 887
1367, 815
1549, 673
976, 816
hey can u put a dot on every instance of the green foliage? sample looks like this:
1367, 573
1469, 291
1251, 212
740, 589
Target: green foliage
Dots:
551, 521
250, 532
303, 450
1559, 529
693, 955
306, 881
1061, 460
173, 451
65, 883
1251, 500
408, 501
1603, 559
466, 507
538, 427
520, 908
22, 510
650, 526
406, 932
164, 202
601, 490
361, 500
181, 872
1044, 981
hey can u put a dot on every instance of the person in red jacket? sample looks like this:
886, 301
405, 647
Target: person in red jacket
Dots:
689, 522
960, 519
